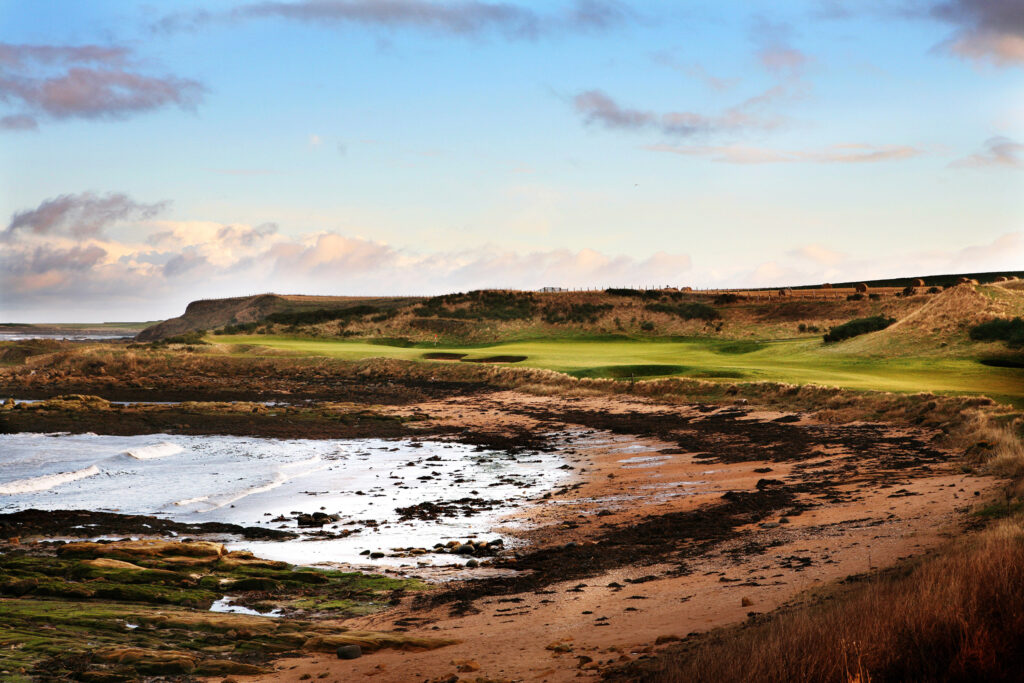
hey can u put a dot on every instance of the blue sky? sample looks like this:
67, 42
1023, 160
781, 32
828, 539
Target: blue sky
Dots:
151, 154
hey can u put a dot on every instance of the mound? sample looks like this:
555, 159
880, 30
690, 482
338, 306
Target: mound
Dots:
943, 321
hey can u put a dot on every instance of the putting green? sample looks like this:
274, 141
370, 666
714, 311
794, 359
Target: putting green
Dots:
797, 361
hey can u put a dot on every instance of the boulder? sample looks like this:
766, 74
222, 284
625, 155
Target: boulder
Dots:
349, 651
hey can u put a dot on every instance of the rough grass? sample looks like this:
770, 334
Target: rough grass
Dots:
957, 616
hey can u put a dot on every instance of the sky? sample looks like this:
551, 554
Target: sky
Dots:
156, 153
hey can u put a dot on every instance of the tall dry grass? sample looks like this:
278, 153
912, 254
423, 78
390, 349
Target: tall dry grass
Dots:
956, 616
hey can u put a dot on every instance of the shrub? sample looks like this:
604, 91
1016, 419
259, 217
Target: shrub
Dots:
483, 305
855, 297
689, 311
647, 326
934, 290
240, 328
728, 298
874, 297
1007, 330
321, 315
857, 327
641, 293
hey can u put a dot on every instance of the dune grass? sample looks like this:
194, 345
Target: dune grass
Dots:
796, 361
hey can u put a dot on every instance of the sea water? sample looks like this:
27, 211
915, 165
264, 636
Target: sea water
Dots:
251, 481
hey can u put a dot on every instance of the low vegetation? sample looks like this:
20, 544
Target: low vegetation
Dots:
1010, 331
857, 327
686, 311
480, 305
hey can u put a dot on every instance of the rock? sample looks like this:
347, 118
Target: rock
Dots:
376, 556
472, 564
349, 652
156, 662
316, 519
465, 665
144, 549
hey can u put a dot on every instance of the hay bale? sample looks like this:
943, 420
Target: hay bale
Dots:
826, 286
917, 282
860, 287
1002, 278
785, 292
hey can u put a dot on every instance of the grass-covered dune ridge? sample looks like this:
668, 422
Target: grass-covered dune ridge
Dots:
488, 316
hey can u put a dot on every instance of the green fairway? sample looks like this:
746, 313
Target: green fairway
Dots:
797, 361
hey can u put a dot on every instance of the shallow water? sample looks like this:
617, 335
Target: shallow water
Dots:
70, 336
251, 481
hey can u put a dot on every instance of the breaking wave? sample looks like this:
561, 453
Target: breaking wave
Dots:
160, 450
283, 475
46, 482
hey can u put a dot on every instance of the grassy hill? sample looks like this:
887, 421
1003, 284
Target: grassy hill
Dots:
635, 334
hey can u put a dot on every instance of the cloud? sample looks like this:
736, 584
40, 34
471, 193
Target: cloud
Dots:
165, 263
597, 107
18, 122
80, 215
998, 152
775, 52
849, 153
754, 113
818, 254
991, 30
61, 259
462, 18
695, 71
88, 81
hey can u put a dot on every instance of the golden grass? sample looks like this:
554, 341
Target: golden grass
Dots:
955, 616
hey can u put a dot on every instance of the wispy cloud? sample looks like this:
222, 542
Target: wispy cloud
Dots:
80, 215
464, 18
597, 107
85, 81
757, 112
850, 153
998, 152
775, 51
695, 71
